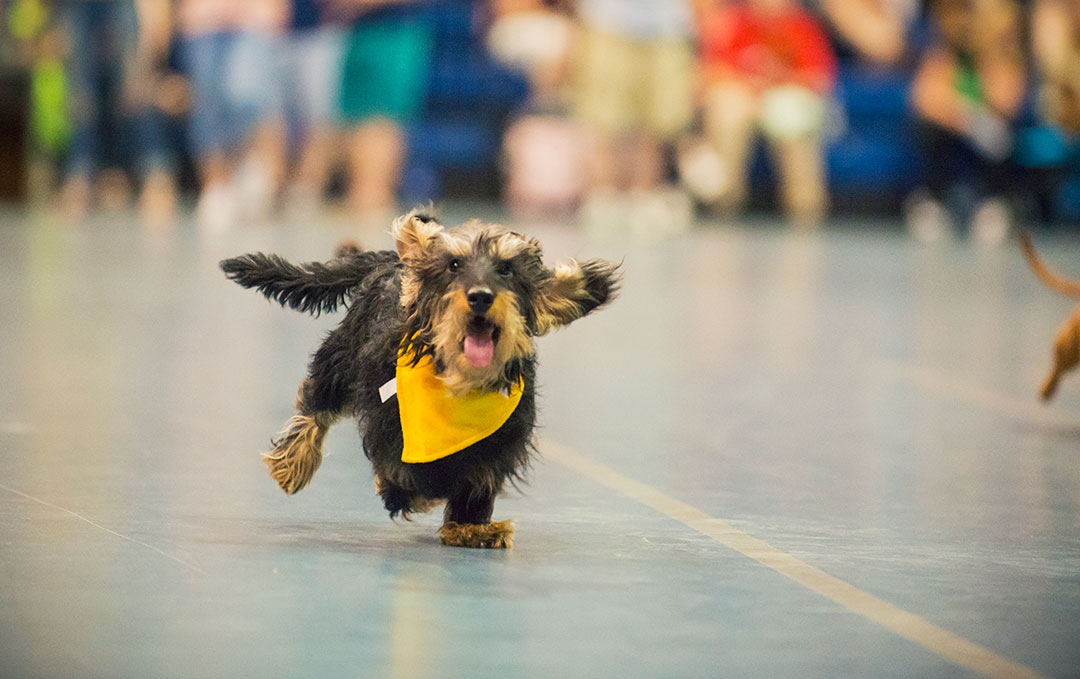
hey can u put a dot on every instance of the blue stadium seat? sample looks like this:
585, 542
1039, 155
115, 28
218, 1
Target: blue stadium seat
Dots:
470, 97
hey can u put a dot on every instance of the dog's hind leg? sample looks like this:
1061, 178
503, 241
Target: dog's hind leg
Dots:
1066, 354
467, 522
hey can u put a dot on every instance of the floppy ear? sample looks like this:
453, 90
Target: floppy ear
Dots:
413, 234
575, 289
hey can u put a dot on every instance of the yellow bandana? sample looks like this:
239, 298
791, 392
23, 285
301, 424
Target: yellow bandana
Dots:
435, 424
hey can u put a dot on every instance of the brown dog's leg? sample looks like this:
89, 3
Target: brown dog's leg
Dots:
297, 451
467, 523
1066, 353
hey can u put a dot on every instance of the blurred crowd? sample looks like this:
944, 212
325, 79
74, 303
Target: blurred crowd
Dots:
639, 114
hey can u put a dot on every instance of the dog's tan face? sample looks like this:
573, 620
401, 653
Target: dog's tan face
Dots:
478, 294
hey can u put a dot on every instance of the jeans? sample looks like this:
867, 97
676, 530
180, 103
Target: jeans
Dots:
109, 96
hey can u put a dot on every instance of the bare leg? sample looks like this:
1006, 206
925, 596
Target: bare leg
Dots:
602, 165
214, 168
731, 112
315, 160
802, 178
647, 171
376, 154
260, 176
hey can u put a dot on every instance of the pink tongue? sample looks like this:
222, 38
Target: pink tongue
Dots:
479, 350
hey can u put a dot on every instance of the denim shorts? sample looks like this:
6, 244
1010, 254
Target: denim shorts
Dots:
311, 75
236, 85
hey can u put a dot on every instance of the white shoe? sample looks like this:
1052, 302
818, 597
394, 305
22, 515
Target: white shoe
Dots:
990, 224
658, 214
216, 209
301, 204
254, 191
703, 172
926, 219
603, 214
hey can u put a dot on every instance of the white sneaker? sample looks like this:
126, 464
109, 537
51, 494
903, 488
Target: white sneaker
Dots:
603, 214
216, 209
658, 214
926, 219
301, 204
703, 172
990, 224
254, 190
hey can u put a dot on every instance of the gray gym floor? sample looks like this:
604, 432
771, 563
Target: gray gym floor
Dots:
776, 455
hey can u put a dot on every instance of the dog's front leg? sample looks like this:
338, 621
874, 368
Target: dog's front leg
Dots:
320, 402
467, 522
297, 451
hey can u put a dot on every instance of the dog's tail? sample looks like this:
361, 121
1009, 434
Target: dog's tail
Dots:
1051, 279
312, 287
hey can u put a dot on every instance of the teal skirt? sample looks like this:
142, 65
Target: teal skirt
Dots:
385, 70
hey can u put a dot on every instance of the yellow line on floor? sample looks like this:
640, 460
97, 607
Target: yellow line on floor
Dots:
1026, 409
941, 642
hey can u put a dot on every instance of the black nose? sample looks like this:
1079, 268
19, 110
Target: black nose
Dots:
480, 300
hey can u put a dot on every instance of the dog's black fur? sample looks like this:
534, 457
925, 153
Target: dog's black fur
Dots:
360, 355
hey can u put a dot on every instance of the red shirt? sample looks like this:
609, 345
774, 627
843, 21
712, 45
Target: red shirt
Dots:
766, 49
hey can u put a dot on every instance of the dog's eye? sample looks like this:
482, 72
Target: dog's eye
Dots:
504, 268
454, 266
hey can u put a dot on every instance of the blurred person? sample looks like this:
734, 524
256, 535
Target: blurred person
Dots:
536, 37
634, 83
384, 81
1048, 147
967, 93
110, 74
543, 153
230, 52
311, 74
767, 67
41, 48
1055, 43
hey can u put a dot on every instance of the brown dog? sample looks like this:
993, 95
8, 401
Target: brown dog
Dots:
1067, 343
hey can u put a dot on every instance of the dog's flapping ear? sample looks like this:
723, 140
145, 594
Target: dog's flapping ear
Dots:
575, 289
414, 233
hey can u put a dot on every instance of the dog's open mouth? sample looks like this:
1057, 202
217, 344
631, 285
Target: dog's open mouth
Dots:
480, 338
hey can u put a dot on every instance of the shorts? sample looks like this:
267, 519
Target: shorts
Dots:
236, 84
626, 85
385, 71
311, 73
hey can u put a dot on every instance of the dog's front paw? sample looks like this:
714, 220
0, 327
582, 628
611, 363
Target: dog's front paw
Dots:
495, 535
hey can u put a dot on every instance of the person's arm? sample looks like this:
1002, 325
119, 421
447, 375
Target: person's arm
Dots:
933, 94
999, 59
1052, 31
875, 28
936, 99
155, 27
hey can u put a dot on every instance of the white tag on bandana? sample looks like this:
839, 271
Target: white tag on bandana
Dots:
387, 390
